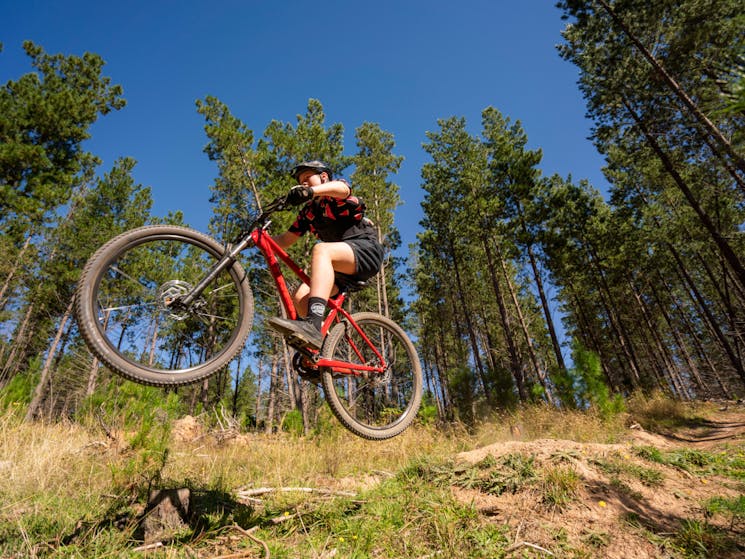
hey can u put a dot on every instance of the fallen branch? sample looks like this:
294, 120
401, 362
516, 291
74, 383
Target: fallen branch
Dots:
248, 493
107, 431
149, 546
527, 544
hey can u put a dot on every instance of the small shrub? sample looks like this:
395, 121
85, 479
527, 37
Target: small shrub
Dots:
590, 384
292, 423
650, 453
427, 414
559, 486
17, 393
734, 507
699, 539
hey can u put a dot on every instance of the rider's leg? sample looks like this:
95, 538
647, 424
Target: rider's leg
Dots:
326, 258
324, 255
300, 299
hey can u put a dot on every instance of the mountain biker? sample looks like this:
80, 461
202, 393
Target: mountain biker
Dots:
349, 246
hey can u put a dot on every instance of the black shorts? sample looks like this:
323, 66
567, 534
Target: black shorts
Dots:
368, 257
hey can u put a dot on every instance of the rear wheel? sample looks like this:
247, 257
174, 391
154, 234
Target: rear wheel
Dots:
124, 312
373, 405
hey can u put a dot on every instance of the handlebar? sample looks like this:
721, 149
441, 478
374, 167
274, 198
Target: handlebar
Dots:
276, 205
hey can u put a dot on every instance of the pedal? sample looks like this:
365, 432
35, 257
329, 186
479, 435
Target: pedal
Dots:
296, 341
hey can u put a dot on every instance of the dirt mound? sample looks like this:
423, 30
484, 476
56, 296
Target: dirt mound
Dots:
620, 501
187, 429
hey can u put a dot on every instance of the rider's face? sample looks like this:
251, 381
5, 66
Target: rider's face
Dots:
311, 178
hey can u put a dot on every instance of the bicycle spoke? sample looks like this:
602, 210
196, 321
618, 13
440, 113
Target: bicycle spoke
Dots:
373, 404
136, 293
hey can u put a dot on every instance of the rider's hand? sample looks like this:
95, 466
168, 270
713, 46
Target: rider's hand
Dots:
299, 195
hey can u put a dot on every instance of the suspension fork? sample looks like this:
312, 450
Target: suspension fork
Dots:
227, 260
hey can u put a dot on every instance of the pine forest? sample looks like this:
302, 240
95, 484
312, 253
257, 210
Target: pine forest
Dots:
521, 287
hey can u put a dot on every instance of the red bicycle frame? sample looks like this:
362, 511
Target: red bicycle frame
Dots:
271, 251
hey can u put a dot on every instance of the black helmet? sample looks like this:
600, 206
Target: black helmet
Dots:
319, 166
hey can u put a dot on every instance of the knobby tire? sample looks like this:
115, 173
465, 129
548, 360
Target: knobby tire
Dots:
122, 312
374, 406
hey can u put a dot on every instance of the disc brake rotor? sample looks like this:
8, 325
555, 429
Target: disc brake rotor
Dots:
169, 292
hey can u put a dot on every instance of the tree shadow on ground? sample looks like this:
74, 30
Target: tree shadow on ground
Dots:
666, 526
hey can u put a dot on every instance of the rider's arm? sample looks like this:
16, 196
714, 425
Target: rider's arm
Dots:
335, 189
286, 239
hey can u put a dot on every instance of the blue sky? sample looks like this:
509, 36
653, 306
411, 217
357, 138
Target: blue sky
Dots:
402, 64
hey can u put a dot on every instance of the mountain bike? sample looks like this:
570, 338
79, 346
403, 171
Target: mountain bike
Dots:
166, 305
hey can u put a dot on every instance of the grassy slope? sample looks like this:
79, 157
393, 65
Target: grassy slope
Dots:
528, 484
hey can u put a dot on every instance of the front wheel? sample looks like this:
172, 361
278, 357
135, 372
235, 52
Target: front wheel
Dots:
125, 313
373, 405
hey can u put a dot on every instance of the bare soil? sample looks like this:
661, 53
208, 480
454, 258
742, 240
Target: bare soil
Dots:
617, 516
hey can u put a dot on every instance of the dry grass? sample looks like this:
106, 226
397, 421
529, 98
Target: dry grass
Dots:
656, 411
57, 477
259, 459
54, 459
65, 459
544, 422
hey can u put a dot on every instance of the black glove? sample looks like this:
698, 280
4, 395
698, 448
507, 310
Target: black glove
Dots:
299, 195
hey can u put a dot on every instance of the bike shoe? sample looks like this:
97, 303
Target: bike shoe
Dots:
298, 332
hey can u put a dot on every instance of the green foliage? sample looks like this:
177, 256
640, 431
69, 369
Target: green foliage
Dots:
657, 77
19, 390
618, 467
559, 486
733, 507
699, 539
45, 116
144, 415
441, 522
590, 385
427, 414
726, 463
128, 405
292, 423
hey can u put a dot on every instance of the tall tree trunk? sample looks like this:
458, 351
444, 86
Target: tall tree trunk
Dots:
429, 384
703, 355
93, 369
515, 365
680, 342
540, 373
259, 393
703, 306
616, 324
724, 247
589, 334
236, 387
441, 358
382, 286
5, 289
660, 349
204, 393
546, 310
469, 323
737, 159
273, 394
46, 370
20, 340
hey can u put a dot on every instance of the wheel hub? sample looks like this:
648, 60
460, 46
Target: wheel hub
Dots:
169, 293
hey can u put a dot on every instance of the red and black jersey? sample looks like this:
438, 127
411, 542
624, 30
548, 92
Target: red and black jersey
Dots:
334, 219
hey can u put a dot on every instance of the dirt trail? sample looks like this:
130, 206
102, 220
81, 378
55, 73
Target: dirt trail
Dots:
729, 427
